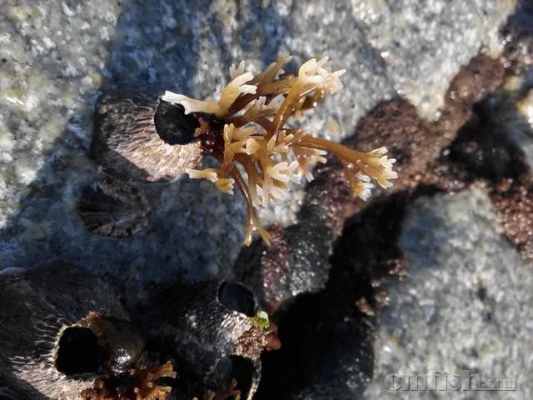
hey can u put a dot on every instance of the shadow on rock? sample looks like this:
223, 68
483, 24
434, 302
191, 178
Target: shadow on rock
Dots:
328, 337
155, 44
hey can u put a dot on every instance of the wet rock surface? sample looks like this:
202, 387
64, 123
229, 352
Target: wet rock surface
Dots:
426, 276
465, 305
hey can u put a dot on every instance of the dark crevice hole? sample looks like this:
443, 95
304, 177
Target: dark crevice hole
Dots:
232, 369
173, 126
237, 298
78, 352
94, 199
113, 208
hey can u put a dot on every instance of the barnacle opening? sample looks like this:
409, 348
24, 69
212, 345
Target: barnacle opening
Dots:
78, 352
234, 377
236, 297
96, 344
172, 124
260, 152
121, 342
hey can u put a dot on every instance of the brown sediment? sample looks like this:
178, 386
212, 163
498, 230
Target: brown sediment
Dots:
252, 342
513, 204
275, 260
466, 145
418, 144
330, 192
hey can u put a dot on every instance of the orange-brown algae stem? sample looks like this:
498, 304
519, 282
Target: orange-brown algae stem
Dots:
241, 102
263, 89
284, 111
253, 221
265, 123
268, 75
239, 122
259, 227
218, 154
312, 101
349, 173
275, 88
344, 153
287, 108
351, 168
252, 172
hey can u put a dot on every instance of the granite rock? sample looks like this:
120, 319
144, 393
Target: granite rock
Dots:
51, 57
465, 305
414, 37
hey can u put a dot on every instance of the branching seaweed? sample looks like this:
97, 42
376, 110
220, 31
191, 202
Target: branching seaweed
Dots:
257, 148
137, 384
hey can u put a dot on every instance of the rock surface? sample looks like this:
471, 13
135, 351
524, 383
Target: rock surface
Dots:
51, 56
413, 37
188, 47
465, 302
465, 306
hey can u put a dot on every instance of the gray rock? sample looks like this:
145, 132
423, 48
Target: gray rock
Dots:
466, 305
424, 43
54, 53
51, 55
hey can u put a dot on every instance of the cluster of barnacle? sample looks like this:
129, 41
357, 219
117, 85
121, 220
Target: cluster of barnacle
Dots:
249, 130
66, 335
82, 341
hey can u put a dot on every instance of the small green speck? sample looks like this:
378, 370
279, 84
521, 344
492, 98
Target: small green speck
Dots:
261, 320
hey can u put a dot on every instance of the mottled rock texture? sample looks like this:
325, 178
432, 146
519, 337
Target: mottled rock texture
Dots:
465, 305
419, 277
52, 57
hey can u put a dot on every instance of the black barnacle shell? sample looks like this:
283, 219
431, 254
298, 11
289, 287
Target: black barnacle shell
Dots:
60, 327
138, 137
98, 344
215, 327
